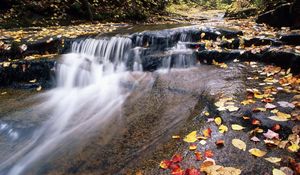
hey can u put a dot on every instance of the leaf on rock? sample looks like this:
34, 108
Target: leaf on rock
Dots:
270, 106
208, 153
165, 164
239, 144
277, 172
193, 147
192, 171
218, 120
207, 163
220, 170
232, 108
293, 148
191, 137
271, 135
207, 132
285, 104
223, 129
255, 139
176, 158
220, 143
273, 159
198, 155
237, 127
257, 152
278, 119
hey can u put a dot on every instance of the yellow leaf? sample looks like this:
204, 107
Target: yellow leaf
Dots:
293, 148
277, 172
239, 144
223, 129
237, 127
273, 159
283, 115
32, 81
39, 88
176, 137
256, 152
247, 102
206, 113
191, 137
218, 120
276, 118
232, 108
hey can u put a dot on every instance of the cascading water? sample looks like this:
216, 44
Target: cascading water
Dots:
89, 91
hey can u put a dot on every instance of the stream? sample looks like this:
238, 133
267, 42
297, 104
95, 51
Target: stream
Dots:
116, 99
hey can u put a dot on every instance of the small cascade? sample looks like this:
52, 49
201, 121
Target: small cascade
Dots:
88, 92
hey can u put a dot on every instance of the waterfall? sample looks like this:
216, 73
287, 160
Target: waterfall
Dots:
89, 90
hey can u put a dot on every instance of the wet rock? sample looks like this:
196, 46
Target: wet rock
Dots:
24, 71
291, 39
285, 15
207, 56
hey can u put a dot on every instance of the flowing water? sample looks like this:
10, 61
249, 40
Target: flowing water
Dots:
93, 83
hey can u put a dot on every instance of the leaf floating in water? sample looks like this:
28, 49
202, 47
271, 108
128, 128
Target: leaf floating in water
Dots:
191, 137
239, 144
256, 152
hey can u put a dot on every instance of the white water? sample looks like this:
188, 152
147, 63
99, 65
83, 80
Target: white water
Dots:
88, 93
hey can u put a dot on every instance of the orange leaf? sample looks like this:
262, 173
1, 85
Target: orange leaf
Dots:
207, 132
176, 158
193, 147
256, 122
198, 155
276, 127
178, 171
208, 153
220, 143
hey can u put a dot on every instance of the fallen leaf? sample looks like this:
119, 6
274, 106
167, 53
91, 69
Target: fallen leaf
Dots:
165, 164
256, 152
193, 147
208, 153
223, 129
255, 139
293, 148
39, 88
220, 170
285, 104
239, 144
192, 171
176, 158
276, 127
191, 137
237, 127
270, 106
277, 172
207, 163
207, 132
218, 120
220, 143
232, 108
278, 119
283, 115
202, 142
259, 109
198, 155
271, 134
256, 122
176, 137
273, 159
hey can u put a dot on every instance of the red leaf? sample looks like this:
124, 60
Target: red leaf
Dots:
276, 127
174, 167
198, 155
176, 158
209, 153
192, 171
178, 171
165, 164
